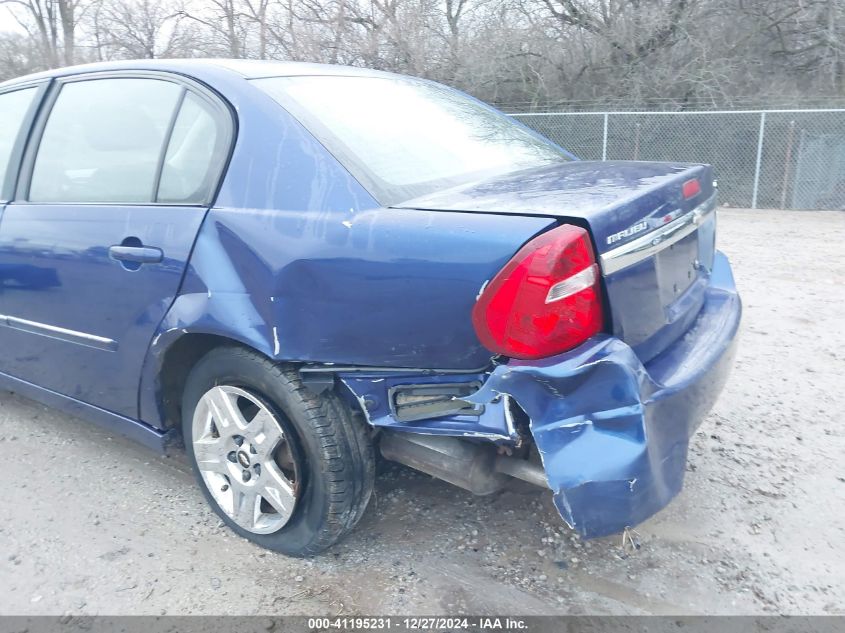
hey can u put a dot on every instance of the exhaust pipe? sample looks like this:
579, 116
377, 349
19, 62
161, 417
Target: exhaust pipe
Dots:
522, 469
473, 467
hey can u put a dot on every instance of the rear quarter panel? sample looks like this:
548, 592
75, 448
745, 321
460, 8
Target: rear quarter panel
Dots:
380, 287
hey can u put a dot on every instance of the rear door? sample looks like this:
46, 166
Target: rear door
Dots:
118, 174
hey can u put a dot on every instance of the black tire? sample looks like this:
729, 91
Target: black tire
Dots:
334, 448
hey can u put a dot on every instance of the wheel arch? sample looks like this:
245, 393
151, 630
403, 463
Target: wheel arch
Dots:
169, 361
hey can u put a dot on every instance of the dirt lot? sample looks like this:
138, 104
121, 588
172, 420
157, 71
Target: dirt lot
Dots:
94, 524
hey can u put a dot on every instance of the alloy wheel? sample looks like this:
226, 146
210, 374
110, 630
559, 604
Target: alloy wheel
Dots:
246, 459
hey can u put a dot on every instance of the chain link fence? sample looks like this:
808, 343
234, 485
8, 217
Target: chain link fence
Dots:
776, 159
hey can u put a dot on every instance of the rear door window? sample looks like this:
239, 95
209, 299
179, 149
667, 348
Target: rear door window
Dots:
14, 107
103, 141
195, 154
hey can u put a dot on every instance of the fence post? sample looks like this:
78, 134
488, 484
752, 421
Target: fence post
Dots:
604, 139
759, 158
787, 164
637, 142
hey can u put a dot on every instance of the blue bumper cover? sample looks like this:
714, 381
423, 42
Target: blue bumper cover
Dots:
612, 432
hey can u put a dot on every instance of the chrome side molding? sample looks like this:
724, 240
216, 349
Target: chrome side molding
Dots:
648, 244
71, 336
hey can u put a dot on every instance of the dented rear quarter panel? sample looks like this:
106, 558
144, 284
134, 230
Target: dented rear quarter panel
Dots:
383, 287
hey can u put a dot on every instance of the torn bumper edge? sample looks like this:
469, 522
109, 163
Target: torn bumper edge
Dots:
612, 433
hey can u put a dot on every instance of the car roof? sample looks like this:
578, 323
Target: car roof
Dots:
246, 68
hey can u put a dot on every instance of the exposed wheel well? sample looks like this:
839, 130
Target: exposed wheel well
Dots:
178, 361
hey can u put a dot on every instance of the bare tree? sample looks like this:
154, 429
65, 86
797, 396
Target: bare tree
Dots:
51, 23
19, 55
256, 11
142, 29
224, 19
39, 19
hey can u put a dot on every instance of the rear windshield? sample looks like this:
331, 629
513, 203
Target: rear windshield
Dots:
403, 138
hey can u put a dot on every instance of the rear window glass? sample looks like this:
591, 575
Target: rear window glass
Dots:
196, 149
404, 138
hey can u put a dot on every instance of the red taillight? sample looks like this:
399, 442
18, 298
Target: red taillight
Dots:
691, 188
546, 300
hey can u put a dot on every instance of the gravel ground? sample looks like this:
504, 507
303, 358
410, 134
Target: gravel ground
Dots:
97, 525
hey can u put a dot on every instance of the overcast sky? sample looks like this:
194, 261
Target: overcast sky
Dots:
7, 22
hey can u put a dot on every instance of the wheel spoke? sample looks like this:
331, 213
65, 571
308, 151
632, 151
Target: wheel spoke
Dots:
208, 453
246, 508
278, 490
264, 432
225, 413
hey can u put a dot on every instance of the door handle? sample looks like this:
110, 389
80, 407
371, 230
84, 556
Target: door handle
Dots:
136, 254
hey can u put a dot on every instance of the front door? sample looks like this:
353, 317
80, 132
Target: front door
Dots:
110, 200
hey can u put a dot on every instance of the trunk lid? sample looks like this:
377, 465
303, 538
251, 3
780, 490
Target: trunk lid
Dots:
655, 247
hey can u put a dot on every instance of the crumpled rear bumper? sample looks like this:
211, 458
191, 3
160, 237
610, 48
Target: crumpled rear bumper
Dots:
613, 433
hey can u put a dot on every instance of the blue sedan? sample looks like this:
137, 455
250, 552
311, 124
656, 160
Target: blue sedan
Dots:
290, 268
